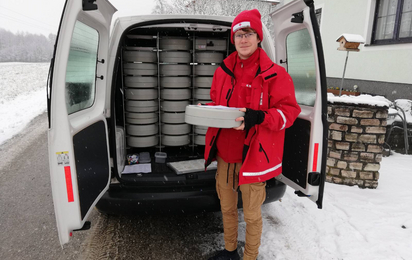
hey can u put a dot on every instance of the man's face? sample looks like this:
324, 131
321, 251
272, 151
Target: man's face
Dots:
246, 42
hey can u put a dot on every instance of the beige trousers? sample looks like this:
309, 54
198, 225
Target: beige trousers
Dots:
253, 196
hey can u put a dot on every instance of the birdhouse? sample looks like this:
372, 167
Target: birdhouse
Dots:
349, 42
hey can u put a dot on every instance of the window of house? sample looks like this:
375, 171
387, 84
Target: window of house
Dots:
393, 22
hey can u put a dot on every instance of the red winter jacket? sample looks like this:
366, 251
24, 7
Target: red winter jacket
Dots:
272, 91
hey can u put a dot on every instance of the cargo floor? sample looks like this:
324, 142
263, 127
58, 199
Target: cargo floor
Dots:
162, 173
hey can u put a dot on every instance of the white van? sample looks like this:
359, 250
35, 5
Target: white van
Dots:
122, 91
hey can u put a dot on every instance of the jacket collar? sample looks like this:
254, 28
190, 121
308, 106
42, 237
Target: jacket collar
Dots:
266, 70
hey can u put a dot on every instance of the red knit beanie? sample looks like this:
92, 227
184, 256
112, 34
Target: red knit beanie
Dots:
247, 18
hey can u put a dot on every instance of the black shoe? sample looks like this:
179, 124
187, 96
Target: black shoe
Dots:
226, 255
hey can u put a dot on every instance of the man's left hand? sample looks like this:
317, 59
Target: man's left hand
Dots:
251, 118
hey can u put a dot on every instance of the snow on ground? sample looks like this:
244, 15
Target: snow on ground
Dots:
353, 224
22, 95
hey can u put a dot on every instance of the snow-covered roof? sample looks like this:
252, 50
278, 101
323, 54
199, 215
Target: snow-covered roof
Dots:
377, 101
352, 38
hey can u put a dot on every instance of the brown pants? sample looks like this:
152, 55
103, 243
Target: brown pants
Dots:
253, 196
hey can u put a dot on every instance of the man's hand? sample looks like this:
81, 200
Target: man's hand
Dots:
251, 118
242, 126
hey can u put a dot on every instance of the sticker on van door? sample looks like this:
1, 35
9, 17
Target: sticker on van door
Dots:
62, 158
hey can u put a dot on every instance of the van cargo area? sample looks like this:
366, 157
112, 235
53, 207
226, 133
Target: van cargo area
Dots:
159, 70
162, 68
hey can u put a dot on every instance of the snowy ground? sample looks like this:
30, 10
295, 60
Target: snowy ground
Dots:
353, 224
22, 95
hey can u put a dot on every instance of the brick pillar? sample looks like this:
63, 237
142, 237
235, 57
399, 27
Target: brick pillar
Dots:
356, 135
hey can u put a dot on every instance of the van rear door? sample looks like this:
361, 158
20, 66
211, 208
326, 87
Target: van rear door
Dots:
298, 49
78, 138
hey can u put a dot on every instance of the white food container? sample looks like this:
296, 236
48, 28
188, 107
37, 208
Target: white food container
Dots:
213, 116
139, 56
175, 140
175, 69
174, 43
175, 57
140, 82
142, 130
147, 69
175, 82
175, 94
142, 106
141, 94
144, 141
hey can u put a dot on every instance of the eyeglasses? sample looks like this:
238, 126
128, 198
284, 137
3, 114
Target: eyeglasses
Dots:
246, 35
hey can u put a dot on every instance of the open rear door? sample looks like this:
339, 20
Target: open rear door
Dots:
298, 49
78, 138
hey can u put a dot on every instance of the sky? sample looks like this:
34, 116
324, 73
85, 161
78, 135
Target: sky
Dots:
43, 16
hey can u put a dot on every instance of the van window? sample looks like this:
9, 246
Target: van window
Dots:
81, 68
301, 66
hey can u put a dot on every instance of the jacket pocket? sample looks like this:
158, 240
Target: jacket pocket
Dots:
263, 150
246, 93
257, 194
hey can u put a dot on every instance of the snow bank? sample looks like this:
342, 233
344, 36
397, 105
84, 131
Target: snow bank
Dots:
378, 101
22, 95
353, 224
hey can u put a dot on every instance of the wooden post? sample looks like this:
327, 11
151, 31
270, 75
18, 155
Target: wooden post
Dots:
343, 76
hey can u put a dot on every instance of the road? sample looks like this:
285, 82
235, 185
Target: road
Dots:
27, 222
28, 227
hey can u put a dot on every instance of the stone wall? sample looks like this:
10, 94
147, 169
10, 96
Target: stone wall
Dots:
355, 139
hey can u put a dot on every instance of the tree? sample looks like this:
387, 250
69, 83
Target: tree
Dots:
215, 7
25, 47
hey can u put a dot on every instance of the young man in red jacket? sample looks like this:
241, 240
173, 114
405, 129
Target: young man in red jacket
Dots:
250, 154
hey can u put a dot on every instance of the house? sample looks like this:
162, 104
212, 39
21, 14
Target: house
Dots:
383, 66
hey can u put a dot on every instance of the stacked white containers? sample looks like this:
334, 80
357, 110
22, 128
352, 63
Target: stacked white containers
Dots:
161, 77
208, 57
175, 91
141, 93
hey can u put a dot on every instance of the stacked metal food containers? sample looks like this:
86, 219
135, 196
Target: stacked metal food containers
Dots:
161, 76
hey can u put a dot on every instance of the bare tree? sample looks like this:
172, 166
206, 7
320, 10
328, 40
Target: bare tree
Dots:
215, 7
25, 47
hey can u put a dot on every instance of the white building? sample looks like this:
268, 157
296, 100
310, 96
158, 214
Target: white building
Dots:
384, 64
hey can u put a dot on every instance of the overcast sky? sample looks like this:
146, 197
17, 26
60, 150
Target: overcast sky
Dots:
43, 16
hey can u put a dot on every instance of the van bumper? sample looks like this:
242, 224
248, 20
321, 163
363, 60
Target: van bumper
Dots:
126, 200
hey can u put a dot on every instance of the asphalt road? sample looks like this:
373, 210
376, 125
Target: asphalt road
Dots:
27, 222
28, 227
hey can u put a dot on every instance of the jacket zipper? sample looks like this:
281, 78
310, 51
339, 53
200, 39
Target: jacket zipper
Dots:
263, 150
230, 91
211, 142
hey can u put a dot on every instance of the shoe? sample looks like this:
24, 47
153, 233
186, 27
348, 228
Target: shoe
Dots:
226, 255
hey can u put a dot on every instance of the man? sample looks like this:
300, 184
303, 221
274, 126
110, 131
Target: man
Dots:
250, 154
